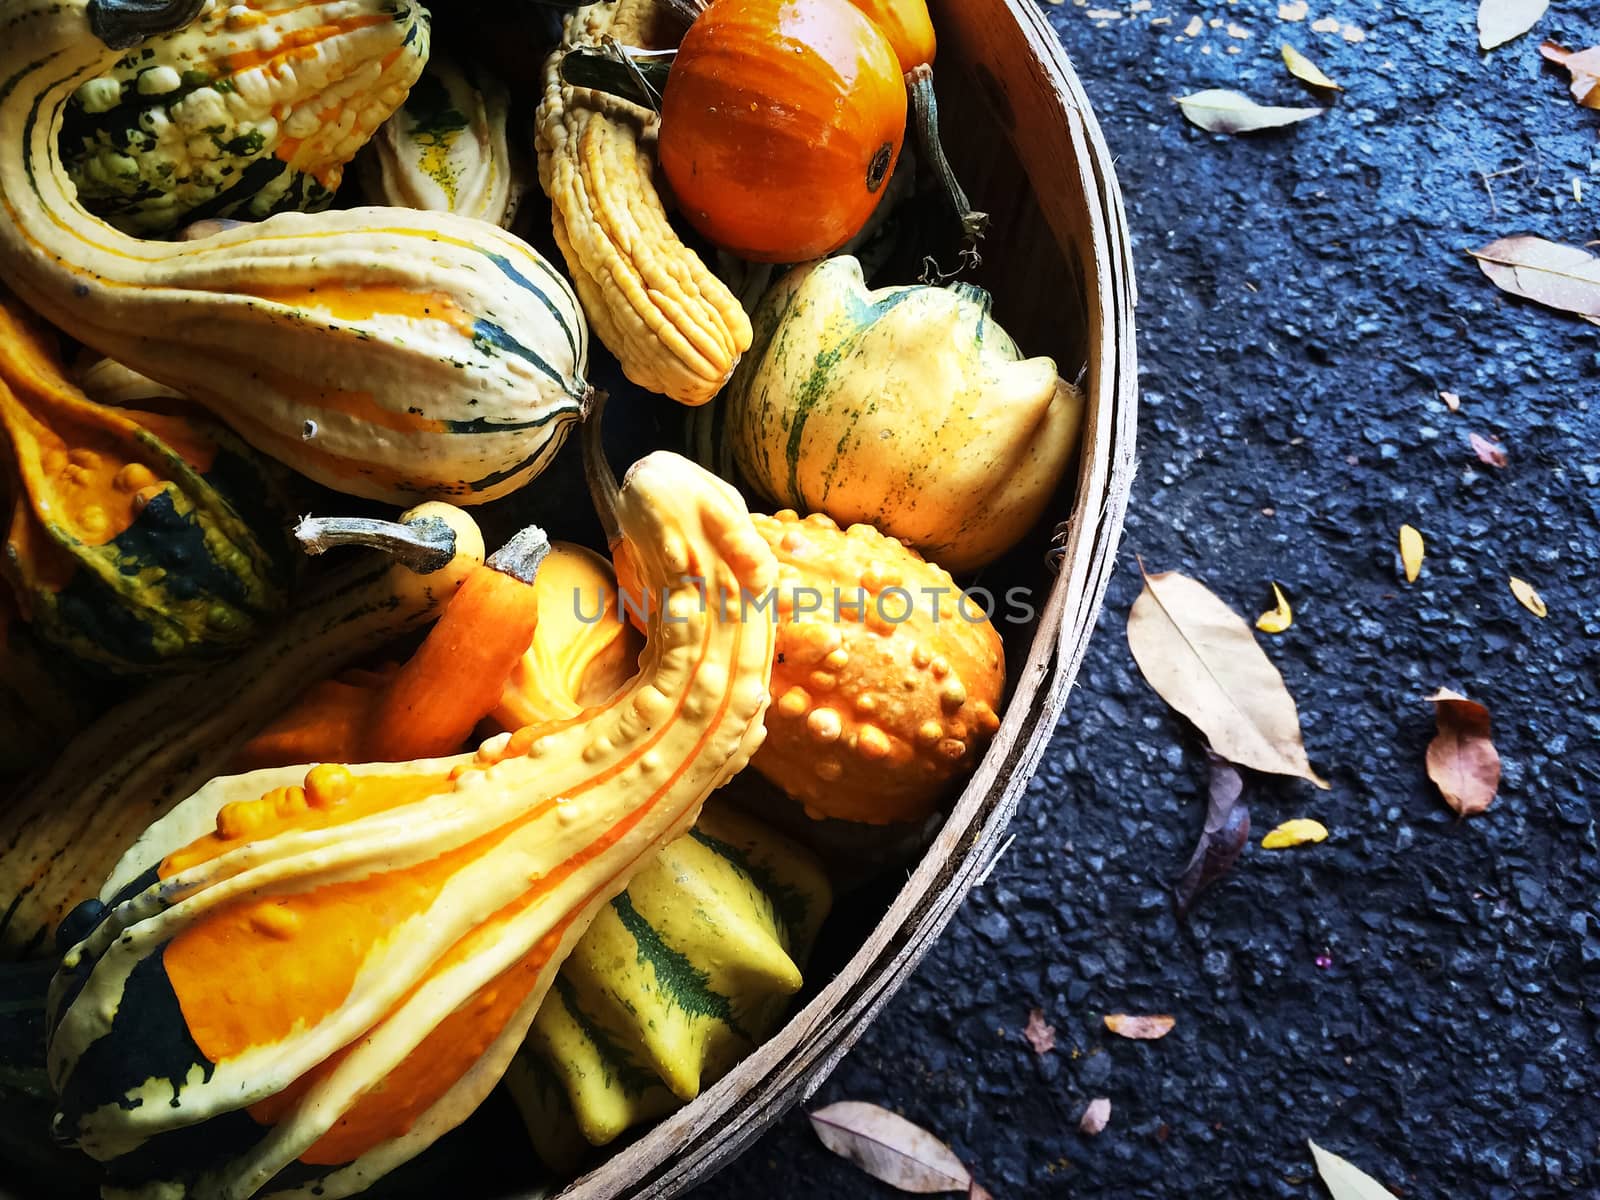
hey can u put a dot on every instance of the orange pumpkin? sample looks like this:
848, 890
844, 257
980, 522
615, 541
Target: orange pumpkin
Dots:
908, 27
780, 125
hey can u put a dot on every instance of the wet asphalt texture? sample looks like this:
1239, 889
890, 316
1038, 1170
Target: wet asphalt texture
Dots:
1305, 296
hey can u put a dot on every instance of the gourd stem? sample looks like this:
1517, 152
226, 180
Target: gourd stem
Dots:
424, 545
925, 116
603, 489
687, 11
120, 24
637, 76
521, 556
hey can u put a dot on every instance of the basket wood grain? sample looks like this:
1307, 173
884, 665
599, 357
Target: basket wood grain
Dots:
1059, 263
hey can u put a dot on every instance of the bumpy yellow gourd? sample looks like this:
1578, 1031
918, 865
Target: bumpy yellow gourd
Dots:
673, 325
446, 149
888, 680
678, 979
331, 969
906, 408
388, 353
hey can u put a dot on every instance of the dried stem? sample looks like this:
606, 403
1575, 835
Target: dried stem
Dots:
521, 556
603, 488
925, 116
423, 545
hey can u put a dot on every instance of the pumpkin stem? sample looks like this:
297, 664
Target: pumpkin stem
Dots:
425, 544
974, 224
637, 76
603, 487
124, 23
521, 556
686, 11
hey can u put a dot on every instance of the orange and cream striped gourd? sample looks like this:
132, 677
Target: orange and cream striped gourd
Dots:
391, 354
330, 969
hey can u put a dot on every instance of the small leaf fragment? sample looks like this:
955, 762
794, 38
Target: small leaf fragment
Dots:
1501, 21
1344, 1180
1583, 65
1548, 273
888, 1147
1140, 1029
1491, 454
1217, 110
1451, 401
1528, 598
1096, 1117
1462, 760
1039, 1035
1411, 552
1299, 832
1278, 619
1202, 659
1304, 69
1226, 833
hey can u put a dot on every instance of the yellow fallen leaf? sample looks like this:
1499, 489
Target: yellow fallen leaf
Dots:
1451, 401
1140, 1029
1298, 832
1528, 598
1303, 68
1411, 550
1217, 110
1279, 618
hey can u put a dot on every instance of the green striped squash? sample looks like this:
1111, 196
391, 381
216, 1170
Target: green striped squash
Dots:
248, 111
390, 354
681, 976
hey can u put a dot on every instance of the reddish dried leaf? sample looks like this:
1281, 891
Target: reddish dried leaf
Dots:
1140, 1029
1462, 759
1096, 1117
1041, 1037
1584, 66
1226, 833
1491, 454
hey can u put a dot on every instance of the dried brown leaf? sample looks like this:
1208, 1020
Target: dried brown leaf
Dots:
1040, 1036
1562, 277
888, 1147
1303, 69
1140, 1029
1344, 1180
1489, 453
1501, 21
1096, 1117
1583, 65
1528, 598
1202, 659
1217, 110
1226, 833
1462, 759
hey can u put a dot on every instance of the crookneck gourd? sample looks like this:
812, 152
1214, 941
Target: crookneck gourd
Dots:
247, 111
673, 325
677, 979
888, 680
118, 547
905, 408
62, 835
446, 148
388, 353
301, 979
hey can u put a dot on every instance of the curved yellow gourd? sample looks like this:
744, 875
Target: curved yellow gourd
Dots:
904, 408
673, 325
390, 354
331, 969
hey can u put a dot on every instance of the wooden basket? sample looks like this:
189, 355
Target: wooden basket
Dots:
1058, 260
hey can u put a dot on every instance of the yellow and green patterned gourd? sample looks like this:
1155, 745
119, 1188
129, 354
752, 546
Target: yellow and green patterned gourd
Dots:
684, 974
250, 110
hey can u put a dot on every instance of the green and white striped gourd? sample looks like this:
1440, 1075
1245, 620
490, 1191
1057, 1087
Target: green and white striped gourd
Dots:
387, 353
250, 110
680, 977
446, 149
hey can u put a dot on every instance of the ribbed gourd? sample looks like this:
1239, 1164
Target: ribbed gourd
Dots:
888, 680
674, 327
446, 148
391, 354
62, 835
44, 697
247, 111
302, 979
680, 977
906, 408
121, 543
